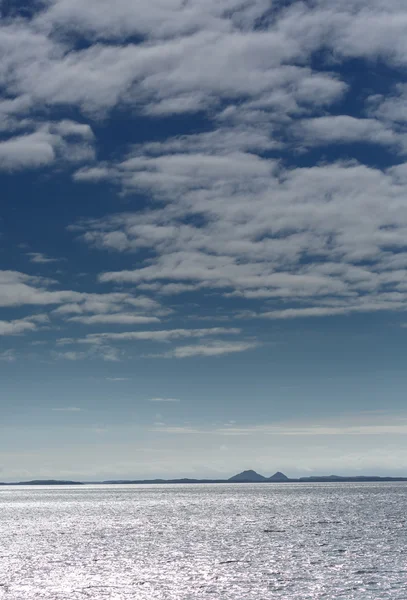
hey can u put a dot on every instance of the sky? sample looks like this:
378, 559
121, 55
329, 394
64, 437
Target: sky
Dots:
203, 238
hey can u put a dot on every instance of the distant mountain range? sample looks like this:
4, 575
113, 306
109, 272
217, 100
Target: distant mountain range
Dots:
249, 476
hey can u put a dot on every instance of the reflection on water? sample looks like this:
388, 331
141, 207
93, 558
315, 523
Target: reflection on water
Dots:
240, 542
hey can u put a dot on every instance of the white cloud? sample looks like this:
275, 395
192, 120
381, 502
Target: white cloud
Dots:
345, 129
387, 429
115, 319
101, 352
346, 425
71, 355
17, 326
47, 144
159, 335
314, 311
190, 58
331, 235
40, 258
227, 218
164, 400
99, 20
392, 109
20, 289
111, 307
191, 55
65, 341
26, 151
215, 348
100, 345
266, 232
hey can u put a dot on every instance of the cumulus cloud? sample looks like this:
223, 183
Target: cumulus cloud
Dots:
191, 54
31, 150
17, 326
188, 57
170, 19
344, 129
20, 289
331, 236
45, 145
226, 211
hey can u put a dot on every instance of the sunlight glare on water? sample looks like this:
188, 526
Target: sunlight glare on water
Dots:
237, 542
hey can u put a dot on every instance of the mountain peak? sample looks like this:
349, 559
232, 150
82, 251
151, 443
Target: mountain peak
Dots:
278, 477
249, 476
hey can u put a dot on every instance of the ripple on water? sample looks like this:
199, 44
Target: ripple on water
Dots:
229, 542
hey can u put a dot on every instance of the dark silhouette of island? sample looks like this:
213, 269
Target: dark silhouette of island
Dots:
248, 476
279, 477
45, 482
253, 477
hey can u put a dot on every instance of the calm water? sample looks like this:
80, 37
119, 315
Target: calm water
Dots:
240, 542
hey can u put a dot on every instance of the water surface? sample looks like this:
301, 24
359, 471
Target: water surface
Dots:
239, 542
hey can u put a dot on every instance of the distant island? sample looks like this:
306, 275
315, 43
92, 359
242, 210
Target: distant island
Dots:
249, 476
253, 477
45, 482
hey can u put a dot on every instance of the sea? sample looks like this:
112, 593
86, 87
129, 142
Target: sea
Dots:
221, 541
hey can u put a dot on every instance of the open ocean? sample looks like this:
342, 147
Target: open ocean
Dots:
240, 542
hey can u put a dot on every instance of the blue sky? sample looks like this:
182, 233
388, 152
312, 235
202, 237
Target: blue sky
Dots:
203, 225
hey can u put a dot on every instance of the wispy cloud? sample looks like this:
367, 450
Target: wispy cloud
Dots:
163, 335
215, 348
99, 352
100, 343
40, 258
115, 319
353, 425
164, 400
8, 355
71, 355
